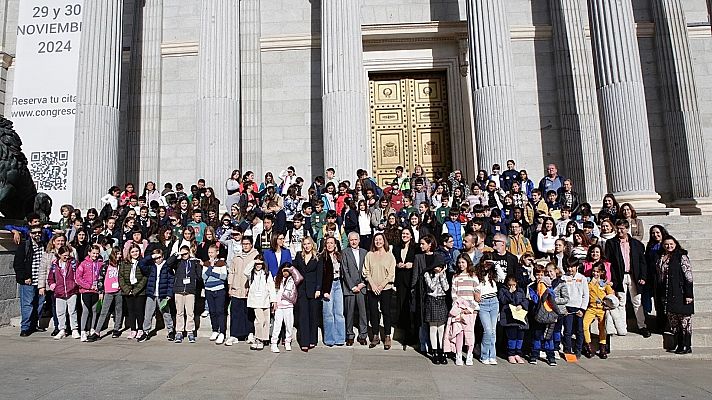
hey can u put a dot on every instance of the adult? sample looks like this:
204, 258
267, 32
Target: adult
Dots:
609, 209
277, 255
552, 180
404, 253
517, 242
332, 297
232, 186
629, 271
26, 264
502, 258
675, 275
595, 255
310, 266
379, 270
653, 251
354, 289
470, 248
627, 212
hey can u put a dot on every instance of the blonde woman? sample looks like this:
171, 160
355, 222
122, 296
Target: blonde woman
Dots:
309, 291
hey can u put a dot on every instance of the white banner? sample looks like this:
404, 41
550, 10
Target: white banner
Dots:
45, 92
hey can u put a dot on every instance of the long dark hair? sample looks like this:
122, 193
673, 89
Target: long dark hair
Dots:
325, 256
481, 271
679, 251
471, 269
278, 279
651, 242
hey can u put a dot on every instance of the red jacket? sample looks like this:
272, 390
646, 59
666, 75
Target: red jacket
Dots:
62, 281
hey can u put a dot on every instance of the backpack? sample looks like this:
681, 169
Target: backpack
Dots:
542, 315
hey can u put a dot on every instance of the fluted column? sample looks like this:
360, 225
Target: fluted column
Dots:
97, 123
492, 82
151, 76
251, 95
343, 87
686, 147
622, 99
578, 105
218, 131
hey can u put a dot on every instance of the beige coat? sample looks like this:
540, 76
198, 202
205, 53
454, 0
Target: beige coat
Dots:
236, 280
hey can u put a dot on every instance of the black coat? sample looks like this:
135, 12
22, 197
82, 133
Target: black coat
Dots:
22, 263
638, 265
678, 287
312, 272
518, 298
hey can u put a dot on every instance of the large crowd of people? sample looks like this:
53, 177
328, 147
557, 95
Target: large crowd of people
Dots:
453, 269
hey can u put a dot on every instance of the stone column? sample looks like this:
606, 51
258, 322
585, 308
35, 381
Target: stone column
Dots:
492, 82
151, 77
578, 105
347, 144
686, 147
97, 123
251, 94
218, 130
622, 99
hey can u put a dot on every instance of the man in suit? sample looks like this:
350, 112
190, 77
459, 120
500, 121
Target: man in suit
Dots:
628, 270
354, 289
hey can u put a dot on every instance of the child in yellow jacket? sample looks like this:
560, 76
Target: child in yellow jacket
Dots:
598, 289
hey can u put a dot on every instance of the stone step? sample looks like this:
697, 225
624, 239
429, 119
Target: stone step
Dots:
701, 337
702, 320
703, 290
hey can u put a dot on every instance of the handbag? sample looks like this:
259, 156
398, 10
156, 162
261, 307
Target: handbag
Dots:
542, 315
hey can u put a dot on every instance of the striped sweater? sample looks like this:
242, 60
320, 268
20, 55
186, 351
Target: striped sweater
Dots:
464, 287
214, 275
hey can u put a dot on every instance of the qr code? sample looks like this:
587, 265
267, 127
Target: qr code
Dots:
49, 169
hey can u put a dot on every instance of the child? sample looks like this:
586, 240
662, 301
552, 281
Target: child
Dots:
184, 288
561, 298
318, 218
214, 276
87, 278
294, 236
260, 298
454, 228
436, 311
61, 281
286, 285
463, 314
512, 295
132, 282
598, 289
110, 293
577, 285
541, 333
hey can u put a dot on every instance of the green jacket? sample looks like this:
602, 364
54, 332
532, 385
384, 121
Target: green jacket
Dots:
127, 289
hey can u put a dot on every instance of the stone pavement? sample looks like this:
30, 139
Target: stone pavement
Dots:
41, 368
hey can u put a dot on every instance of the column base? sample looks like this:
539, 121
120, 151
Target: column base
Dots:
694, 206
645, 203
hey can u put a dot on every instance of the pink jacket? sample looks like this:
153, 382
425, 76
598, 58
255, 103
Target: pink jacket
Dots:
87, 275
62, 281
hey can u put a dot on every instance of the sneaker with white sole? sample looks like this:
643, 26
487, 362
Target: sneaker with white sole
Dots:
191, 338
59, 335
469, 360
259, 345
205, 314
230, 341
458, 359
288, 346
492, 361
214, 336
251, 338
220, 339
83, 337
179, 338
485, 362
274, 348
76, 335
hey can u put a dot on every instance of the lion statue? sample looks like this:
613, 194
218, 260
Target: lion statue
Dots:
18, 193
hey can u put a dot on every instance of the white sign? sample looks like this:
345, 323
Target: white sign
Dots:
45, 92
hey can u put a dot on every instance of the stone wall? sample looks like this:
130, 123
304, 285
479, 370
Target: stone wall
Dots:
9, 302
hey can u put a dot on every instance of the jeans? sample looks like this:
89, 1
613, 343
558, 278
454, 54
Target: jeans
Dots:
489, 311
242, 319
152, 303
89, 302
216, 304
573, 324
333, 315
31, 304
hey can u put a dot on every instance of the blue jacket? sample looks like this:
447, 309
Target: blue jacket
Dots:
165, 284
454, 228
271, 260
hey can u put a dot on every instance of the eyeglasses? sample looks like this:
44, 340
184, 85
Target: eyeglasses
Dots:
36, 233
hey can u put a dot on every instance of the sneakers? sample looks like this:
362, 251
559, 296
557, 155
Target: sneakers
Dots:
115, 334
59, 335
258, 345
191, 338
551, 361
251, 338
458, 359
469, 360
178, 338
94, 337
492, 361
288, 346
485, 362
205, 314
171, 336
533, 361
141, 336
132, 335
75, 334
644, 332
220, 339
83, 337
230, 341
54, 332
214, 336
274, 348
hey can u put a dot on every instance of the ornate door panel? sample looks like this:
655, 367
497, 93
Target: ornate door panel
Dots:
409, 125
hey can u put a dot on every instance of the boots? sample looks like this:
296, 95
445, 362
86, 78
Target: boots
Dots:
679, 343
586, 350
602, 352
686, 344
441, 357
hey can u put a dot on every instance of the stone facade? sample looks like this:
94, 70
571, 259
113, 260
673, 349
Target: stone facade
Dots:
398, 35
